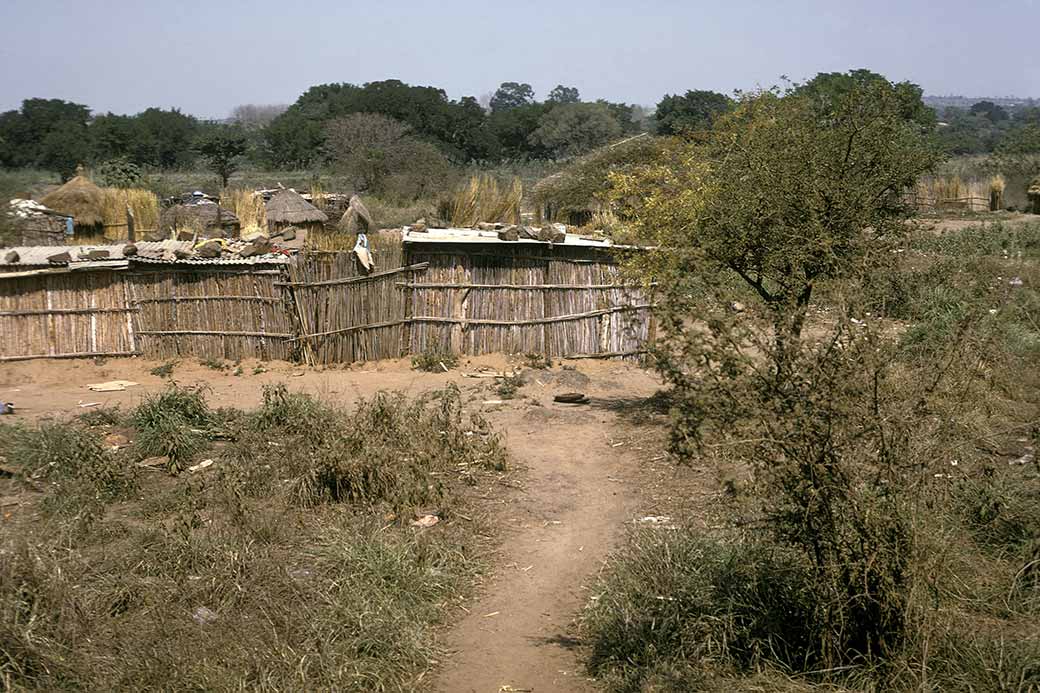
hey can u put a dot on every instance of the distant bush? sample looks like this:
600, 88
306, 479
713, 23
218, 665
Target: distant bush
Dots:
434, 359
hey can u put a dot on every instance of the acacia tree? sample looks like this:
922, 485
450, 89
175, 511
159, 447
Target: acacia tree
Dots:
779, 198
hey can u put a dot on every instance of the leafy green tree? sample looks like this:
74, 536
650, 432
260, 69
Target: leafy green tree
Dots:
223, 148
118, 173
827, 90
511, 95
166, 138
571, 129
512, 130
694, 110
990, 110
36, 134
776, 199
562, 94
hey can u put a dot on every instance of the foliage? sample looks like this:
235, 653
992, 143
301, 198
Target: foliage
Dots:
389, 450
379, 154
176, 423
562, 94
779, 196
73, 463
827, 91
434, 359
252, 116
570, 129
118, 173
511, 95
695, 110
222, 149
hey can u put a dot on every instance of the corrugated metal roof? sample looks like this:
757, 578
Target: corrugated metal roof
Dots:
478, 236
153, 252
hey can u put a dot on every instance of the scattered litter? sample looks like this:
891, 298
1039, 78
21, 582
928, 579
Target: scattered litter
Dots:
443, 366
203, 616
509, 689
297, 374
1015, 281
617, 445
493, 613
111, 386
10, 500
494, 401
116, 441
1024, 459
654, 520
84, 405
616, 481
571, 398
6, 408
527, 568
551, 522
154, 462
200, 466
426, 521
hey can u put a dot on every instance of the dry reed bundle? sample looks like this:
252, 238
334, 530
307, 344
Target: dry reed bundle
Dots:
997, 184
953, 192
143, 203
318, 198
248, 207
482, 199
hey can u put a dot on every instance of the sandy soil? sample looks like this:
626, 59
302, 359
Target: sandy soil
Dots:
587, 471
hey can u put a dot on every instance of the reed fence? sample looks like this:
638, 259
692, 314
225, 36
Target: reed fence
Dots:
322, 309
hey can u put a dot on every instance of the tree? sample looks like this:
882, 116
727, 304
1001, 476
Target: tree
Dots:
694, 110
562, 94
990, 110
827, 90
512, 129
575, 128
380, 154
511, 95
223, 149
779, 197
40, 131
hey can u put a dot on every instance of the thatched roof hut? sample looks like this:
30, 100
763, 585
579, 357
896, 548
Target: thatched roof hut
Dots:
1033, 193
205, 218
79, 199
287, 208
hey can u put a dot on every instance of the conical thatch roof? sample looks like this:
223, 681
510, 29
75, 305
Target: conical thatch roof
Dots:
79, 199
356, 218
287, 207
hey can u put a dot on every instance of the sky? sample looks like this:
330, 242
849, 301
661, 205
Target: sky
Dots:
208, 57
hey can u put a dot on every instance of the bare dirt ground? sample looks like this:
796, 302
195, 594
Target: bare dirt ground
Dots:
587, 472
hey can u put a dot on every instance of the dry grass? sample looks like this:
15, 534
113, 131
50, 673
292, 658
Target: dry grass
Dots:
143, 203
248, 207
236, 579
484, 199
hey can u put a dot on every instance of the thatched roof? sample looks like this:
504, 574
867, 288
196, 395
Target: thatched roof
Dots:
79, 199
356, 218
287, 207
1034, 187
199, 217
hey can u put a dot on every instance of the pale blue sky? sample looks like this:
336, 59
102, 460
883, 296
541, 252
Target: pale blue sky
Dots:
207, 57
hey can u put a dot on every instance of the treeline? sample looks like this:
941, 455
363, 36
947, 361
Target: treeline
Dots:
985, 127
389, 131
511, 125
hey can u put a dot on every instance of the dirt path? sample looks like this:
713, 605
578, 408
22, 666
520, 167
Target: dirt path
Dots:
519, 633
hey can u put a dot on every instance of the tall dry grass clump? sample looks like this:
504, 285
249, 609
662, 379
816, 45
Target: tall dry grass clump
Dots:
248, 207
143, 203
484, 199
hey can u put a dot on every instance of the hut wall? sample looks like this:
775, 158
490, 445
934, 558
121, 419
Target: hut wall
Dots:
65, 314
211, 313
552, 300
41, 229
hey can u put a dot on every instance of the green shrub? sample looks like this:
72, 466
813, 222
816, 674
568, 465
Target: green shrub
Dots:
679, 600
433, 359
165, 370
176, 423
